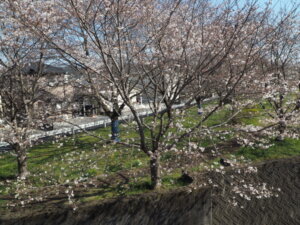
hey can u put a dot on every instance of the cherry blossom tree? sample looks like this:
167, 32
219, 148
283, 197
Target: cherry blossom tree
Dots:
102, 38
277, 81
281, 76
185, 54
163, 50
19, 89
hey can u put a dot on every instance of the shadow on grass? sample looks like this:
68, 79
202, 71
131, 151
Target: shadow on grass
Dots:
7, 177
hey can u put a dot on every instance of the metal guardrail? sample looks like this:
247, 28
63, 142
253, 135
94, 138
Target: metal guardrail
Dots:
73, 129
90, 126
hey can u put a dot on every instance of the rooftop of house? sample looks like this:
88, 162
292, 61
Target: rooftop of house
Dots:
51, 69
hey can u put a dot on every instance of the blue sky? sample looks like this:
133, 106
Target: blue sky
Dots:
277, 5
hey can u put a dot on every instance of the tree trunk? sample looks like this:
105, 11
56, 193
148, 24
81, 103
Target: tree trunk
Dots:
155, 171
281, 129
115, 131
30, 114
199, 106
22, 161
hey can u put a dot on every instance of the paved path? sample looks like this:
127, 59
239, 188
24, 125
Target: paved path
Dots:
72, 125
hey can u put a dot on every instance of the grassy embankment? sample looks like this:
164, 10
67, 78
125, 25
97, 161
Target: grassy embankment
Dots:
102, 168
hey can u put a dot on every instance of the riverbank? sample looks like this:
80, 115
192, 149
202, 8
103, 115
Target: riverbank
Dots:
191, 205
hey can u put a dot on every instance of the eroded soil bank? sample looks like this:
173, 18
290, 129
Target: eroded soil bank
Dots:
188, 206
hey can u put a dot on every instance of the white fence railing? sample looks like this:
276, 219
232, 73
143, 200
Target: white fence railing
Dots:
104, 122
